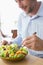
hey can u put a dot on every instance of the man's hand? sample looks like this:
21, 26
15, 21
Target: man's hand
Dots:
33, 42
4, 42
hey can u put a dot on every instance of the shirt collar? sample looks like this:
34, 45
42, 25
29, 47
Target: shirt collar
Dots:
39, 13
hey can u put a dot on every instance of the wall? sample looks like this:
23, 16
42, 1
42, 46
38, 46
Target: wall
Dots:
9, 13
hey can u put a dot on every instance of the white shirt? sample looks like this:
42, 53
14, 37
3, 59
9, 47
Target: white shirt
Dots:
28, 25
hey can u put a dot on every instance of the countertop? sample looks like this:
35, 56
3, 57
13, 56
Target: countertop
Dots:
29, 60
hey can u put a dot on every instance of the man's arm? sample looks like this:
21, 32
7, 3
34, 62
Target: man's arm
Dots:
34, 42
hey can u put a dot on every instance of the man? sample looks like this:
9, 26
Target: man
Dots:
31, 21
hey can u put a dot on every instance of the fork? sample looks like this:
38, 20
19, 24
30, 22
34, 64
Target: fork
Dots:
24, 45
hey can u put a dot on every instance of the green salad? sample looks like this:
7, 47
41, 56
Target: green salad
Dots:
13, 52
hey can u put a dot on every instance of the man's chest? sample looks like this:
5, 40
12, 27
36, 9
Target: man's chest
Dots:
31, 26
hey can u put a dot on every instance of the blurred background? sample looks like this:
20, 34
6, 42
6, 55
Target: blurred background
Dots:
9, 14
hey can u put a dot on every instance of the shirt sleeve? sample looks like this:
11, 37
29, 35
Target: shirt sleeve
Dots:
18, 39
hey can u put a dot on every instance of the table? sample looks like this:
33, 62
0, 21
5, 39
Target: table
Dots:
29, 60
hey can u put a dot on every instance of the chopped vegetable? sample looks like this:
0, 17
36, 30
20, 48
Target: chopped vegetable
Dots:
13, 51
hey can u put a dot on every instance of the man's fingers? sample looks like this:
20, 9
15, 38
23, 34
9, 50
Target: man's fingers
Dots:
28, 41
28, 46
29, 38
